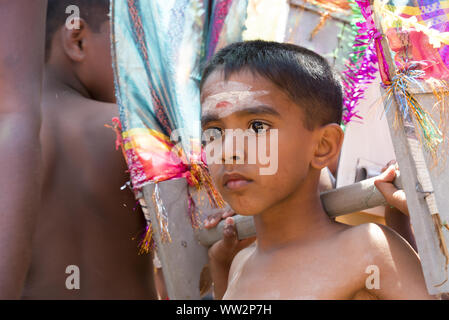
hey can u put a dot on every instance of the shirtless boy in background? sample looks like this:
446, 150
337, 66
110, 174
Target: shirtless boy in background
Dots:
300, 253
84, 220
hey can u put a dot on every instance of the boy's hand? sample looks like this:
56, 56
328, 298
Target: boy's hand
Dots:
212, 220
223, 252
393, 196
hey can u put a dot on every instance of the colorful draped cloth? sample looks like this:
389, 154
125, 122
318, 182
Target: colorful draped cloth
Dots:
158, 49
418, 31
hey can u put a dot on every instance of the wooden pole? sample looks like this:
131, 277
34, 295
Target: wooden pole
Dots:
426, 189
352, 198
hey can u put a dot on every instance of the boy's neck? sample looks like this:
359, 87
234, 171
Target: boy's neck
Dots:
299, 218
57, 80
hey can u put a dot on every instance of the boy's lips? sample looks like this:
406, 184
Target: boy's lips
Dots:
235, 181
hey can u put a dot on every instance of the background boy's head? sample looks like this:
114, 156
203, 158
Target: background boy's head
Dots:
294, 91
83, 52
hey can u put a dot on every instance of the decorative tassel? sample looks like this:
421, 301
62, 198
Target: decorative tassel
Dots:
117, 127
200, 177
324, 17
438, 226
161, 215
147, 242
410, 107
361, 67
446, 225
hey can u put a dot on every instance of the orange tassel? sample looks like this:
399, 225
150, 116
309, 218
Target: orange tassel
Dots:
147, 242
438, 226
324, 17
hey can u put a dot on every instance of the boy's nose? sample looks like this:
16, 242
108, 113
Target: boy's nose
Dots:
232, 152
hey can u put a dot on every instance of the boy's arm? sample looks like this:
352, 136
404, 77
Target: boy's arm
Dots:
396, 214
400, 223
223, 252
400, 271
21, 66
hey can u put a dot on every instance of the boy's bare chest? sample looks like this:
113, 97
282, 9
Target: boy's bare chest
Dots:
310, 277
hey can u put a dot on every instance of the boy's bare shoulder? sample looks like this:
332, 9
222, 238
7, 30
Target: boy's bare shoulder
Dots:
74, 125
67, 111
396, 261
370, 233
244, 254
376, 239
240, 258
378, 235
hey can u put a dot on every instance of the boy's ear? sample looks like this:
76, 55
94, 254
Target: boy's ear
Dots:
74, 41
329, 145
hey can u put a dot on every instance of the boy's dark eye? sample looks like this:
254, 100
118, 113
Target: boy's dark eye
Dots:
259, 127
210, 134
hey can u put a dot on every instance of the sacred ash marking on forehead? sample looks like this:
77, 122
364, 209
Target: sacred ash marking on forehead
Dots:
229, 97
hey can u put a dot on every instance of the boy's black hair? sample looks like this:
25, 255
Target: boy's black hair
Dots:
94, 12
304, 75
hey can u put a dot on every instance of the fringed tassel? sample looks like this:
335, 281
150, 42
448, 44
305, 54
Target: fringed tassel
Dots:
194, 216
438, 226
430, 132
147, 243
200, 177
409, 107
161, 215
324, 17
446, 225
440, 90
117, 127
361, 67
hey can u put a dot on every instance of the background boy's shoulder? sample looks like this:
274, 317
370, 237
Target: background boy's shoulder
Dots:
74, 131
72, 113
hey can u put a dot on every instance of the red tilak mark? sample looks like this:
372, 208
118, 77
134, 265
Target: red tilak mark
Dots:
222, 104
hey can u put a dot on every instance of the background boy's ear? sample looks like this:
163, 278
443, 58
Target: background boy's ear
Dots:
74, 41
329, 145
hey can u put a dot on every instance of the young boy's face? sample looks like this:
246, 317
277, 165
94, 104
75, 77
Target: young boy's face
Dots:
250, 102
